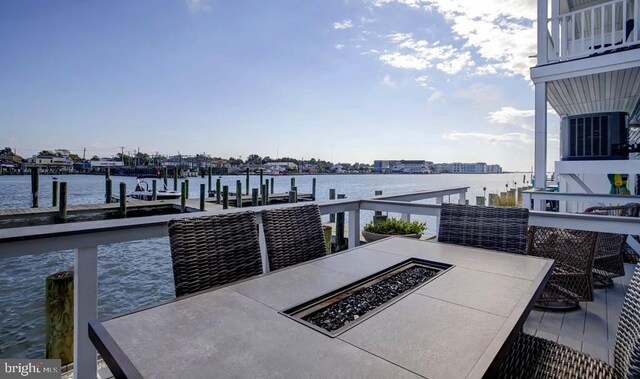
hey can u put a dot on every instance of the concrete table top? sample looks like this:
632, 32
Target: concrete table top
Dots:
459, 325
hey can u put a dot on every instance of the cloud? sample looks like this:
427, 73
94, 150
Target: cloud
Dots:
481, 95
387, 81
500, 36
423, 81
492, 138
415, 54
436, 96
196, 6
339, 46
512, 116
344, 24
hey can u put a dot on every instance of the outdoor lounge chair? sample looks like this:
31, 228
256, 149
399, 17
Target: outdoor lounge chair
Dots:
213, 250
608, 260
535, 357
571, 280
293, 235
496, 228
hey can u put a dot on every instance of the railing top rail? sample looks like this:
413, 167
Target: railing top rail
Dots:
422, 195
581, 221
573, 195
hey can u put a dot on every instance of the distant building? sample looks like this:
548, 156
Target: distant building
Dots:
402, 166
105, 163
467, 168
282, 166
58, 160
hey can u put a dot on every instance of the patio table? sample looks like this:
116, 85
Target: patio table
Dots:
460, 324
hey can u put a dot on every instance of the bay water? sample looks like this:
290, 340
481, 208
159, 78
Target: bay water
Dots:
138, 273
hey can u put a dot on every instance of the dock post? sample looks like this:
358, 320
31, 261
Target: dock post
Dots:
332, 196
35, 175
218, 191
293, 182
54, 193
186, 187
225, 197
183, 197
238, 194
480, 200
295, 192
292, 196
202, 192
154, 190
340, 228
266, 188
272, 186
175, 178
59, 311
107, 190
123, 199
62, 212
164, 176
313, 189
264, 194
107, 173
209, 178
254, 197
247, 181
261, 179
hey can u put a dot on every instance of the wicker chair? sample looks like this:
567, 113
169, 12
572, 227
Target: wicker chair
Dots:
535, 357
608, 260
293, 235
496, 228
213, 250
571, 280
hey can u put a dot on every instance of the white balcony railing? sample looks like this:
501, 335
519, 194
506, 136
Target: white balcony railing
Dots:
85, 237
594, 30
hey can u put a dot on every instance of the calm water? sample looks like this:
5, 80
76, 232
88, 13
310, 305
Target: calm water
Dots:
135, 274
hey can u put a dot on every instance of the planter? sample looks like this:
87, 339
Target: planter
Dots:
370, 237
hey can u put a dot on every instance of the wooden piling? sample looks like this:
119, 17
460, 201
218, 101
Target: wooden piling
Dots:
313, 189
272, 186
202, 196
209, 178
254, 197
186, 188
59, 311
295, 191
293, 182
264, 194
54, 193
218, 188
332, 196
154, 190
175, 178
340, 245
238, 194
164, 176
183, 197
247, 181
62, 210
261, 179
107, 190
225, 197
292, 196
35, 181
266, 187
123, 199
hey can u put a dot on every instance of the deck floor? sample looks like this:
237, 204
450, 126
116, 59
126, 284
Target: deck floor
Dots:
591, 328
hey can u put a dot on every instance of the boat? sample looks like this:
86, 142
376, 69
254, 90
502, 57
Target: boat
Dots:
144, 191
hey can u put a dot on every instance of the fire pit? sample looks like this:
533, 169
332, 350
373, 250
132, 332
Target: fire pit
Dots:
340, 310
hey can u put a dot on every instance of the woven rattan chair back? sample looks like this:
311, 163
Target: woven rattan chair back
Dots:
213, 250
608, 260
627, 349
293, 235
573, 251
496, 228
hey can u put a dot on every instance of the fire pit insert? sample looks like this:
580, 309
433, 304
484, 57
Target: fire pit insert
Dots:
342, 309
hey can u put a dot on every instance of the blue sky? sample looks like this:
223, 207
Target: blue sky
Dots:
341, 80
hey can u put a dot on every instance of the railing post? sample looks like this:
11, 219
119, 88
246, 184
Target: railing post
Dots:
340, 228
463, 197
332, 196
354, 228
85, 309
526, 200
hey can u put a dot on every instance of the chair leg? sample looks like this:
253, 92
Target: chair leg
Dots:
556, 306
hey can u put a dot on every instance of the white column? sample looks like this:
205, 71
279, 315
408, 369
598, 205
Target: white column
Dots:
555, 27
463, 197
85, 309
354, 228
540, 157
543, 34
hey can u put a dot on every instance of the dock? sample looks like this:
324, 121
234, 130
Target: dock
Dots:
274, 198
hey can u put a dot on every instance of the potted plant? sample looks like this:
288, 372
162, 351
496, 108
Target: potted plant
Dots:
376, 230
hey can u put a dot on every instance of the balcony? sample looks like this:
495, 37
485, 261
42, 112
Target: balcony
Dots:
85, 238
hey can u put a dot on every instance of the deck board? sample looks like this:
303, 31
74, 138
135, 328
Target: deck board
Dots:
590, 329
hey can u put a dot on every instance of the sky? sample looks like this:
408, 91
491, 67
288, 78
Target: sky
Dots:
339, 80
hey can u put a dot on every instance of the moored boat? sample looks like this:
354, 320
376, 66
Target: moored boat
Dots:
144, 191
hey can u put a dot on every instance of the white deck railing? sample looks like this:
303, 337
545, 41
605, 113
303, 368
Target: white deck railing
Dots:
593, 30
85, 237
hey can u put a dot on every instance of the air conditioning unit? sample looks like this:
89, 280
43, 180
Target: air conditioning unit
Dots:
596, 136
